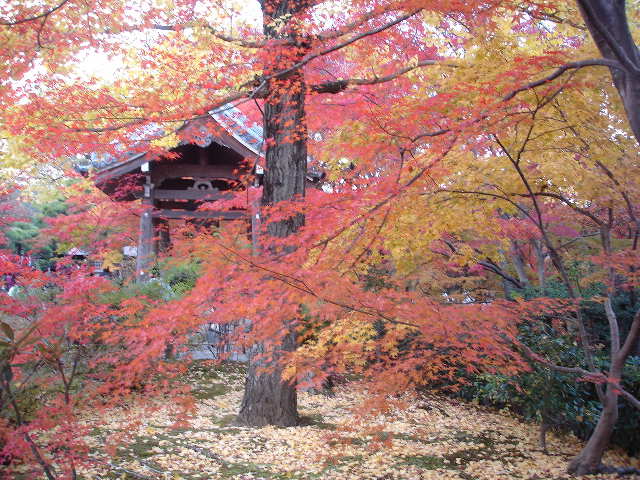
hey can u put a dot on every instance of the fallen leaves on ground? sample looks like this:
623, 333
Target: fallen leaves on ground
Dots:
438, 438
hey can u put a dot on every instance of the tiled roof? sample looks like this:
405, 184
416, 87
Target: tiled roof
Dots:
230, 118
250, 134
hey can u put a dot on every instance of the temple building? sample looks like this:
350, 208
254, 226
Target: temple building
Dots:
219, 154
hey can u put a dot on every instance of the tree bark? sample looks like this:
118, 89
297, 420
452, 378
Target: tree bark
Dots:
518, 263
268, 400
590, 458
609, 28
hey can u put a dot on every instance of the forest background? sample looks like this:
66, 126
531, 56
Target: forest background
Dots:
481, 186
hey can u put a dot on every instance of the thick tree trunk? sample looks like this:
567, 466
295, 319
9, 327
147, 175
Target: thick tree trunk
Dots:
609, 28
590, 458
268, 400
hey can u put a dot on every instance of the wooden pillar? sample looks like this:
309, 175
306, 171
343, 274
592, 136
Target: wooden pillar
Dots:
145, 255
254, 211
144, 260
162, 235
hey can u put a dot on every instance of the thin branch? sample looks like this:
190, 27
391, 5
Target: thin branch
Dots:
337, 86
629, 397
384, 201
341, 45
531, 355
487, 194
221, 36
348, 28
564, 200
302, 286
602, 62
492, 267
632, 337
44, 15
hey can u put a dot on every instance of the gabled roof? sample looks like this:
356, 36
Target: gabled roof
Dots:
226, 125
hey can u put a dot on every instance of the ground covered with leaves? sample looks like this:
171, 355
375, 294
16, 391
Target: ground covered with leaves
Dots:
435, 438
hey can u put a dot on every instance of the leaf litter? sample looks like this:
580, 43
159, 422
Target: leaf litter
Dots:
434, 438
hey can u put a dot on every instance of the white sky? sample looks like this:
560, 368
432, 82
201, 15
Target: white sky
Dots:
97, 64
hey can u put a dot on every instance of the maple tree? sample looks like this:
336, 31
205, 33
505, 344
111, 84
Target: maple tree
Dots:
430, 105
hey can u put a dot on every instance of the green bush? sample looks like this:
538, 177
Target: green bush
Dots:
558, 399
182, 277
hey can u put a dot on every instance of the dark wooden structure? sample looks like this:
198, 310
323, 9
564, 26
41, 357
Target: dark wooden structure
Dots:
219, 155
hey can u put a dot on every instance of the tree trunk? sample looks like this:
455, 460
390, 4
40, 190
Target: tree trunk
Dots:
268, 400
538, 247
609, 28
518, 263
590, 458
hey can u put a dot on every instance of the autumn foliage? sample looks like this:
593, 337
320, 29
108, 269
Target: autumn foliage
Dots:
475, 155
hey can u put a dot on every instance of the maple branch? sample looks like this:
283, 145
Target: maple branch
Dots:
341, 45
487, 264
564, 200
551, 17
47, 468
594, 62
221, 36
348, 28
372, 241
44, 15
531, 355
338, 86
302, 286
623, 193
235, 40
221, 103
556, 259
384, 201
486, 194
492, 267
529, 86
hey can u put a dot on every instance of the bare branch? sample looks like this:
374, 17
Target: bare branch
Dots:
531, 355
564, 200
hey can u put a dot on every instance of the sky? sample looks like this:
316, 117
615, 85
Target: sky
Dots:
98, 65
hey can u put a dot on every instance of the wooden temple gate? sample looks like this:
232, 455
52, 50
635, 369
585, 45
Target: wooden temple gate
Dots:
205, 167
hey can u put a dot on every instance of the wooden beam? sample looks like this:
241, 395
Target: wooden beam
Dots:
176, 169
178, 214
117, 169
202, 195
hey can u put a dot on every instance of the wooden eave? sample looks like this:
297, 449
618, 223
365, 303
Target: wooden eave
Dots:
135, 163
